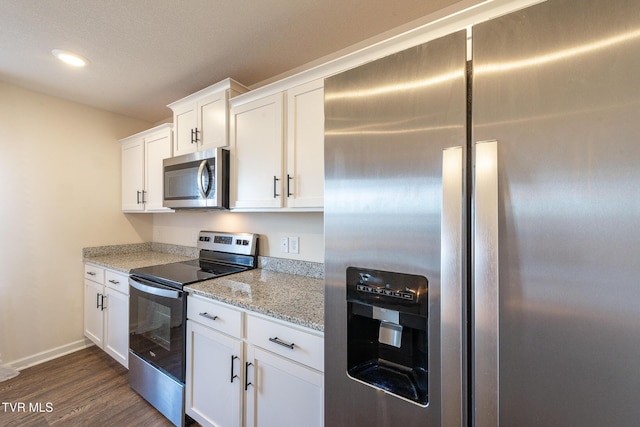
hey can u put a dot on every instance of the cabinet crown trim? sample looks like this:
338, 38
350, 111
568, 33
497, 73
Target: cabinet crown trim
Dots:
225, 84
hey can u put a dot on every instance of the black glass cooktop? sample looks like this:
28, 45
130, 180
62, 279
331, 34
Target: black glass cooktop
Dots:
179, 274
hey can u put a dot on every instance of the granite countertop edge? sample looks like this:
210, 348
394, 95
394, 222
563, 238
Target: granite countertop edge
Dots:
260, 310
293, 298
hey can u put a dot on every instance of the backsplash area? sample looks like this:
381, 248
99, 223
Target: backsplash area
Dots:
292, 266
282, 265
131, 248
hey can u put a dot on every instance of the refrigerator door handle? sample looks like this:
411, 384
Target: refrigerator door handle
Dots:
485, 339
453, 318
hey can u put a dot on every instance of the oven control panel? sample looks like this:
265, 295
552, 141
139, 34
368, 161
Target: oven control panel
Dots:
236, 243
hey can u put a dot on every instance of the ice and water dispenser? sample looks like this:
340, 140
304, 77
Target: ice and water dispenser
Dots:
387, 345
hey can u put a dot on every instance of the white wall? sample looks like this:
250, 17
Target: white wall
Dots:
59, 192
182, 227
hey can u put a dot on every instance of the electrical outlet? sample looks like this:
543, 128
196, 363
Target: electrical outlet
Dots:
294, 243
284, 244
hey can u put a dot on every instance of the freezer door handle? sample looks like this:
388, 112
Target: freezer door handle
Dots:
485, 284
452, 288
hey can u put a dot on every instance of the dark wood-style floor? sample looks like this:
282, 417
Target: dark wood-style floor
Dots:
85, 388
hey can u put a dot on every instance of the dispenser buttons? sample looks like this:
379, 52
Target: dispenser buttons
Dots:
385, 292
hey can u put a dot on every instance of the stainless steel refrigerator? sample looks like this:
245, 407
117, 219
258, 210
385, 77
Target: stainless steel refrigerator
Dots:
482, 220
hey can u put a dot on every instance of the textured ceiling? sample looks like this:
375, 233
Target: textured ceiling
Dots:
147, 53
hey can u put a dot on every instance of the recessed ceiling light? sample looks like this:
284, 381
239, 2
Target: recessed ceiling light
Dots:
70, 57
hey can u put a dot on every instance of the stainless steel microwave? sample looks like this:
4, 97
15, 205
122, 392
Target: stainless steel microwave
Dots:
198, 180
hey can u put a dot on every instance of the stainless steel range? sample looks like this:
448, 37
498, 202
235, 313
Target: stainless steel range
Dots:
157, 316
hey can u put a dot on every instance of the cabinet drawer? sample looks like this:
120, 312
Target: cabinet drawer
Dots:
117, 281
215, 315
94, 273
295, 344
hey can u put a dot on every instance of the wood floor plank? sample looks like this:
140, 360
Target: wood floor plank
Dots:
85, 388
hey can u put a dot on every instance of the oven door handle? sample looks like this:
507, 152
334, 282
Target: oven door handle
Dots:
167, 293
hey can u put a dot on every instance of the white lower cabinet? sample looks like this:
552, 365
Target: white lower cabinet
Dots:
93, 314
116, 325
106, 311
282, 392
269, 376
214, 374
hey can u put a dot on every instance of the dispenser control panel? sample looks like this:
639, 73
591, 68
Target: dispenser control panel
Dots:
386, 292
396, 291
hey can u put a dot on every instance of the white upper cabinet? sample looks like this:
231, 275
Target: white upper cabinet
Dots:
132, 174
277, 150
142, 177
257, 137
157, 147
305, 146
201, 120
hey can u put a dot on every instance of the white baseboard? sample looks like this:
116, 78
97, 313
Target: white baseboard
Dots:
51, 354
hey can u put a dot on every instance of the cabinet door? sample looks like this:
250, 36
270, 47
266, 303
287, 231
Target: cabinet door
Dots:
282, 393
93, 315
305, 146
257, 142
185, 121
213, 123
157, 148
214, 377
133, 175
116, 331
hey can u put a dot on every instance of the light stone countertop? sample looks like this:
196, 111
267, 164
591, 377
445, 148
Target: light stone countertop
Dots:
295, 298
128, 261
127, 257
292, 298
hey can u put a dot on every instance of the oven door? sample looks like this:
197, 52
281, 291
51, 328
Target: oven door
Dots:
156, 325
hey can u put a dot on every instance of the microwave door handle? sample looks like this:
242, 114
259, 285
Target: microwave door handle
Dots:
204, 192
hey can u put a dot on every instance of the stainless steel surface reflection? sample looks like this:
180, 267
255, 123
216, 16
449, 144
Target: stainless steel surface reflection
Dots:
386, 126
557, 85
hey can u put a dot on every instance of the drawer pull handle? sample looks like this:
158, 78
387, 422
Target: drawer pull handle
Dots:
282, 343
115, 282
91, 273
208, 316
232, 374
